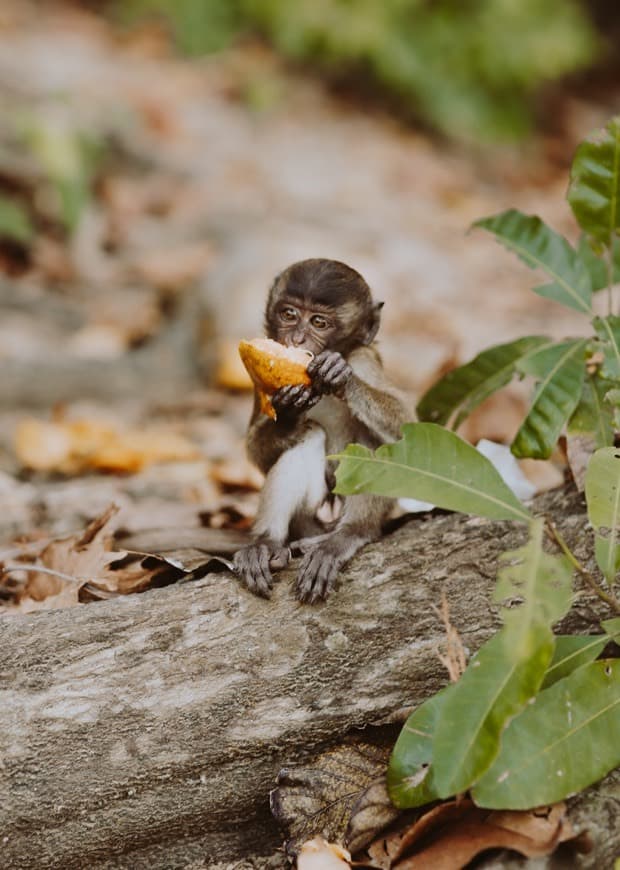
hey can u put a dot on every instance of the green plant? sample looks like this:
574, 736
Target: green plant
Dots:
529, 703
577, 379
469, 69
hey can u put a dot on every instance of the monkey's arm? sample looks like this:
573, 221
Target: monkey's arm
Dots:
268, 439
361, 383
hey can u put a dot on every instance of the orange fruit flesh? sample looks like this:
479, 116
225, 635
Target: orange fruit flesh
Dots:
272, 365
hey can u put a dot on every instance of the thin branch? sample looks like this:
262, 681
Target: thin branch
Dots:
608, 597
38, 569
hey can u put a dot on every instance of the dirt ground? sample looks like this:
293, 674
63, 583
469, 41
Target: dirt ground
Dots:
217, 174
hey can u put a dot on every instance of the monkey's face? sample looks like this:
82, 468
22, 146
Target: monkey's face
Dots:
296, 325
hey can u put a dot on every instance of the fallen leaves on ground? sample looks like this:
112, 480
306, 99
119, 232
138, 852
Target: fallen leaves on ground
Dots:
73, 447
452, 834
86, 567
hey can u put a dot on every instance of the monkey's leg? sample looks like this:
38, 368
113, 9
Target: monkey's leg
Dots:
294, 484
361, 523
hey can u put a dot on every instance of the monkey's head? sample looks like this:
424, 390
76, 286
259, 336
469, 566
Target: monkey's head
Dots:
321, 305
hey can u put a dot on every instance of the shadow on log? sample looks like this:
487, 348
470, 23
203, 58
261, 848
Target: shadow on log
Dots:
147, 731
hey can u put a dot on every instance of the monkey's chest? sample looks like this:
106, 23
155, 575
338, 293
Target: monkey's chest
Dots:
334, 416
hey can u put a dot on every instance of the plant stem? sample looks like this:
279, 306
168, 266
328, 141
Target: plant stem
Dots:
608, 597
39, 569
610, 276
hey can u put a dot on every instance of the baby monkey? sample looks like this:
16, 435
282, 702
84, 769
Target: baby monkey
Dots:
325, 307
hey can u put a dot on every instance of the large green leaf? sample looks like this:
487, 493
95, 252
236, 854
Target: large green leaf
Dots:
409, 775
542, 248
611, 627
594, 415
594, 190
508, 670
464, 388
560, 370
608, 331
602, 487
494, 688
571, 652
597, 266
432, 464
561, 743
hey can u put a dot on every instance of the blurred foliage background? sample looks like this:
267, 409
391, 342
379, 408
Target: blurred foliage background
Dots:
473, 70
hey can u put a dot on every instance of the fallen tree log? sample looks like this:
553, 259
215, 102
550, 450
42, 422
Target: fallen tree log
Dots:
147, 731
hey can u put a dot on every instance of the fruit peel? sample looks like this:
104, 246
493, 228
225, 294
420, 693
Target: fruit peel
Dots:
272, 365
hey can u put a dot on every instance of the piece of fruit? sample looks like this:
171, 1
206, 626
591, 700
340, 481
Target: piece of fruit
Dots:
272, 365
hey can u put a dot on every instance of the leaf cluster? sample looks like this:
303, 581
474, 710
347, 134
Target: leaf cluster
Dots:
469, 70
534, 718
65, 160
576, 380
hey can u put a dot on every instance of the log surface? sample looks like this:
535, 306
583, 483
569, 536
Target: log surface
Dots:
147, 731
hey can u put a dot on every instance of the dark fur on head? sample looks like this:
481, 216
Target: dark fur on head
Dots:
329, 285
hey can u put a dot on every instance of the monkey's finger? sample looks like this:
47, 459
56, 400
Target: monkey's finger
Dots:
307, 576
316, 362
333, 369
325, 580
255, 570
286, 396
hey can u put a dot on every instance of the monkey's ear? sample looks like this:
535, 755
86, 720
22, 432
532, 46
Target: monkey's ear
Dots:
374, 323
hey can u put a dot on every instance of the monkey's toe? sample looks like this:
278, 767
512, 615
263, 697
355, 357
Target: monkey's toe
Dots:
317, 576
252, 565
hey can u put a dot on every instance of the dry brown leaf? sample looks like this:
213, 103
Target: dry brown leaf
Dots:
83, 557
237, 474
372, 812
174, 268
85, 567
76, 446
452, 834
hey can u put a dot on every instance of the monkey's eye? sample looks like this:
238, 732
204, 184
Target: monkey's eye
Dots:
319, 322
288, 314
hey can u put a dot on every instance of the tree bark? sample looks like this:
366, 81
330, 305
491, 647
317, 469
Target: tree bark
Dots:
147, 731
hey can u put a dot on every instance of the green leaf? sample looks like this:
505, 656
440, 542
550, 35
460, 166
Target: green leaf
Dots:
571, 652
431, 464
602, 488
506, 673
597, 266
594, 189
464, 388
608, 331
611, 627
493, 689
541, 580
541, 248
14, 222
561, 743
560, 370
409, 775
594, 415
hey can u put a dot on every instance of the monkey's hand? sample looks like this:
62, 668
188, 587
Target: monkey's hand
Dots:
329, 371
255, 562
293, 399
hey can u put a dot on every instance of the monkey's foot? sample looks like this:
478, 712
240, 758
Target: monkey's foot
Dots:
303, 545
317, 574
255, 563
